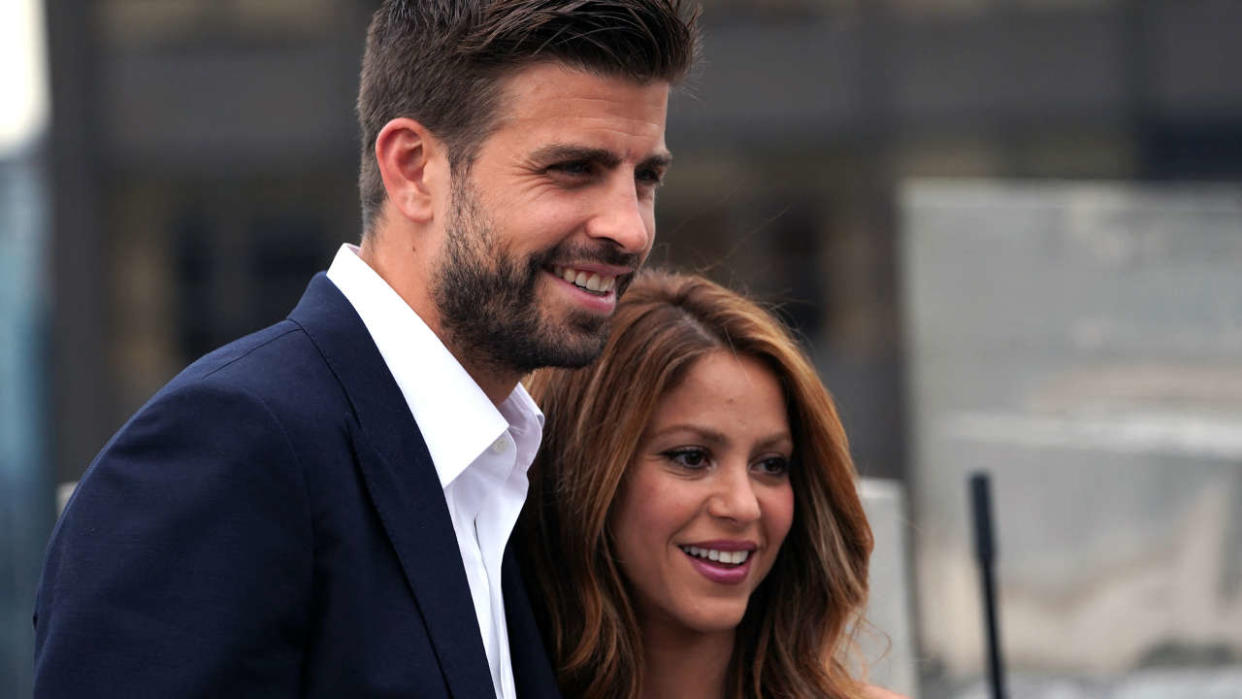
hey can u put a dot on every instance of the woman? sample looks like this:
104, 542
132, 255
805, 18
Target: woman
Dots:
692, 527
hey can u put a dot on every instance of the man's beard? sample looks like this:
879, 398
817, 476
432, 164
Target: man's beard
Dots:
488, 301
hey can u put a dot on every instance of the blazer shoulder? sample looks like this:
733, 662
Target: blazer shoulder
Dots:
283, 341
279, 365
180, 566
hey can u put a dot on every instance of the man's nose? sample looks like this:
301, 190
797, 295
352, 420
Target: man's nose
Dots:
624, 218
734, 497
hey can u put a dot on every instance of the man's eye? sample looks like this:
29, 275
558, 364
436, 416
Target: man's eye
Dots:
649, 176
577, 168
693, 458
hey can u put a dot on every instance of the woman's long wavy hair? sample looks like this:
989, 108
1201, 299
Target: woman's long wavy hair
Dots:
795, 637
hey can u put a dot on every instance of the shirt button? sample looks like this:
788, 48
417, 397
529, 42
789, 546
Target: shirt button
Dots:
499, 446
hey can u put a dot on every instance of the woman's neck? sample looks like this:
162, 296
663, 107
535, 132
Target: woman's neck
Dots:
685, 665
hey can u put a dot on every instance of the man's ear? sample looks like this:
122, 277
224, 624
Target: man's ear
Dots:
414, 167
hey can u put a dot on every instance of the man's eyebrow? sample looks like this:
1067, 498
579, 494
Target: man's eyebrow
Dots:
560, 152
659, 161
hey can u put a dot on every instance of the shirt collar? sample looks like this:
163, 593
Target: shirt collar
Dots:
456, 418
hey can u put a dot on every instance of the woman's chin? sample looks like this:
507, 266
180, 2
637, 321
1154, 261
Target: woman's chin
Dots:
715, 618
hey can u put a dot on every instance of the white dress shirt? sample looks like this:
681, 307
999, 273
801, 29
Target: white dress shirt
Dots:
481, 451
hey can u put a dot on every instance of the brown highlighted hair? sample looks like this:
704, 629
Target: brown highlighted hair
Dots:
441, 62
794, 639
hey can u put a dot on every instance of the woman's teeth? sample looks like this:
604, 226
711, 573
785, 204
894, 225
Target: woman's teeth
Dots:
730, 557
586, 280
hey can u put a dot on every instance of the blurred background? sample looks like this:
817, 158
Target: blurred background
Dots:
1010, 232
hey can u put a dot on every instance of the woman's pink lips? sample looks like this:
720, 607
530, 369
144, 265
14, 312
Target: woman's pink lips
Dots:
717, 573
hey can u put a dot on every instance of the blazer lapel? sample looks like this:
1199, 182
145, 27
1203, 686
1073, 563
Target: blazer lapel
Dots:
402, 482
532, 673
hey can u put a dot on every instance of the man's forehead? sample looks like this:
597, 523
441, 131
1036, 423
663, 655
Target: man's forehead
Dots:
556, 72
548, 107
545, 88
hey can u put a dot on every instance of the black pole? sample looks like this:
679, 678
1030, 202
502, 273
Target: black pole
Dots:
985, 551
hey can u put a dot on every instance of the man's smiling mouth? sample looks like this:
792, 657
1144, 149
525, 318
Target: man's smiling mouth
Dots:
590, 282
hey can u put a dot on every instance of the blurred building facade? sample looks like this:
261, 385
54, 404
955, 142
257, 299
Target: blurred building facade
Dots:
26, 506
1082, 343
204, 156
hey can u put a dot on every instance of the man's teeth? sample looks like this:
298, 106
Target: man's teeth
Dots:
587, 280
732, 557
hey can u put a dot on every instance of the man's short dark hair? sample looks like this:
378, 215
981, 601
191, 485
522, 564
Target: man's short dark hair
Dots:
439, 62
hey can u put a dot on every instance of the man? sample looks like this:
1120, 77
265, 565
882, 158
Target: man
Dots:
322, 509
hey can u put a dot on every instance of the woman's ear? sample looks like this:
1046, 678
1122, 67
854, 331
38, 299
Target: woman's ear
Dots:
413, 165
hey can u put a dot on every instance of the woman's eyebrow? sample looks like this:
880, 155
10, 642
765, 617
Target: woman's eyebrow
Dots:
776, 439
717, 438
705, 433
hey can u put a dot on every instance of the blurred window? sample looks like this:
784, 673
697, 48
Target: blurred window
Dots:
25, 492
716, 10
141, 22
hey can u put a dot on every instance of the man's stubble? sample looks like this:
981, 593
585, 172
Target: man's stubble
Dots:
488, 300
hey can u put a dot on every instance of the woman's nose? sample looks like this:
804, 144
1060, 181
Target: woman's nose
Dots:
734, 497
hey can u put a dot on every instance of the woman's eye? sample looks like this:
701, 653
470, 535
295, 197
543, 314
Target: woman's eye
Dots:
690, 458
773, 466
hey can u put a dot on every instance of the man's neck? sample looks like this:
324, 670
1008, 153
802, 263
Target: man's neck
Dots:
497, 383
401, 271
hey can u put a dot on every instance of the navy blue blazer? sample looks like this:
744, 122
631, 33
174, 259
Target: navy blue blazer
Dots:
269, 525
